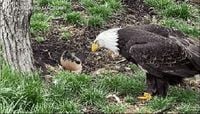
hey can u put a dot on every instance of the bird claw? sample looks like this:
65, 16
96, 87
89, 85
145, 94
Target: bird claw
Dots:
146, 97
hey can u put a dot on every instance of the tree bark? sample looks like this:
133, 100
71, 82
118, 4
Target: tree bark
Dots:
14, 34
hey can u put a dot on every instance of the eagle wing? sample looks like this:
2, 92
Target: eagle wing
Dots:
161, 30
159, 55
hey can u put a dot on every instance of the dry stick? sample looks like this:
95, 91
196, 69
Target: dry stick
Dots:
123, 60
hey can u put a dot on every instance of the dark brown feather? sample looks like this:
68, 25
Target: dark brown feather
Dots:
159, 54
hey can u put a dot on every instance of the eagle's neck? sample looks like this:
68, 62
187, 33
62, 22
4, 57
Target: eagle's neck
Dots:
109, 39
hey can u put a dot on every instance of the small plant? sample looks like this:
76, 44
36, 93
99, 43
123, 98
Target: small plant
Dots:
180, 11
159, 4
73, 17
123, 84
40, 39
114, 4
176, 15
113, 108
43, 3
182, 26
185, 96
39, 23
92, 96
19, 92
101, 10
60, 7
130, 99
65, 35
88, 3
70, 84
188, 108
95, 21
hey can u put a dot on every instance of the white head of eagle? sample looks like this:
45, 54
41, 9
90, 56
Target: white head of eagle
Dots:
107, 39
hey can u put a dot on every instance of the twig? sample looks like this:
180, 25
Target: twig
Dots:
120, 61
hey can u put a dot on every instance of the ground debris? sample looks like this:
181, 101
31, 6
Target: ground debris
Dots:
113, 98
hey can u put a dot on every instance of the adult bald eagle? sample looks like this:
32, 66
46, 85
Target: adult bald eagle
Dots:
167, 55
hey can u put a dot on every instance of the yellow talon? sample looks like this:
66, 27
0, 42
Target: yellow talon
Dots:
146, 96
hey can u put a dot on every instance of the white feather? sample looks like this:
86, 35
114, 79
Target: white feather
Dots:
108, 39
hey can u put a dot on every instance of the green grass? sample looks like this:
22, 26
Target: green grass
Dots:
70, 93
171, 9
159, 4
178, 100
179, 11
103, 11
19, 92
96, 12
96, 21
182, 26
74, 17
40, 39
113, 108
74, 92
39, 23
177, 15
43, 3
60, 7
65, 35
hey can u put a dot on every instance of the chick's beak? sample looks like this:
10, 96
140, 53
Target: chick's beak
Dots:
94, 47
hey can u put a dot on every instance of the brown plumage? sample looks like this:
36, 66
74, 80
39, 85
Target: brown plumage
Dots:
71, 62
167, 55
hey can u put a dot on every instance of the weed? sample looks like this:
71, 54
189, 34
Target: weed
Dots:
52, 106
184, 95
180, 11
123, 84
130, 99
113, 108
68, 84
88, 3
60, 7
65, 35
101, 10
40, 39
115, 5
188, 108
159, 4
177, 15
73, 17
39, 23
182, 26
43, 3
95, 21
92, 96
19, 91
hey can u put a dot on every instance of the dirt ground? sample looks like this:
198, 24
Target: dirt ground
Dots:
49, 51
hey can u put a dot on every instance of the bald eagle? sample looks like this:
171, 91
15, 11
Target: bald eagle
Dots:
167, 55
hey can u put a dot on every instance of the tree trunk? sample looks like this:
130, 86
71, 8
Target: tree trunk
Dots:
14, 34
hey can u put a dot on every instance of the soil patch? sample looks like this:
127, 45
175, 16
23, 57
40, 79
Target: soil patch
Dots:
49, 51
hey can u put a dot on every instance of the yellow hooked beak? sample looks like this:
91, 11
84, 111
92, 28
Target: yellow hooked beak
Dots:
95, 47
